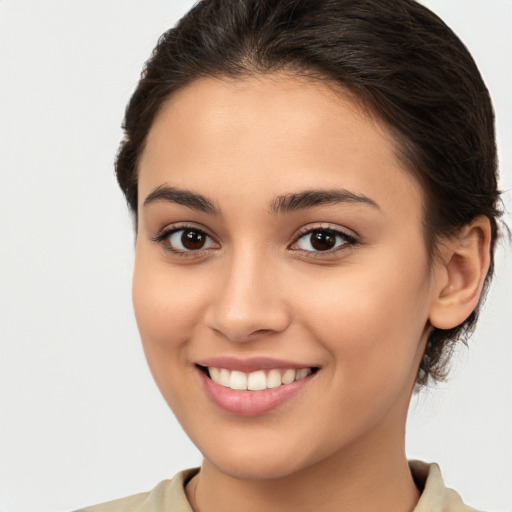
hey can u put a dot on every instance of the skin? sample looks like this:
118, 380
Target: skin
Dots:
361, 313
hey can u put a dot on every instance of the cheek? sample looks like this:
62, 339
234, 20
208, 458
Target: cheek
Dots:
372, 322
167, 307
166, 304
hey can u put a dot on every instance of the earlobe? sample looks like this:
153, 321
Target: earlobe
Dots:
460, 274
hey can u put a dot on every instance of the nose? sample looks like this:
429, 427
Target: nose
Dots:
249, 301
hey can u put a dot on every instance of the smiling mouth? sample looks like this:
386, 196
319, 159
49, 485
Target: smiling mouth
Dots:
257, 380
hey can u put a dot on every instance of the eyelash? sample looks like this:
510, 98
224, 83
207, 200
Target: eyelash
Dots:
163, 237
349, 241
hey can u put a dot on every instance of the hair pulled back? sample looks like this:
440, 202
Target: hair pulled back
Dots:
406, 66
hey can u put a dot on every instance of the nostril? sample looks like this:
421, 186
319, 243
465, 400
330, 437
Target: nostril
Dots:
262, 331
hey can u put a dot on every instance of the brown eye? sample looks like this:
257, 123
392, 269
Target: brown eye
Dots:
323, 240
187, 240
193, 240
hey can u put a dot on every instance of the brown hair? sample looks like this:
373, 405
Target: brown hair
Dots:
398, 57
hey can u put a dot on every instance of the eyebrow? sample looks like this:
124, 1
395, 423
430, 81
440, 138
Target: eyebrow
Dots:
310, 198
184, 197
286, 203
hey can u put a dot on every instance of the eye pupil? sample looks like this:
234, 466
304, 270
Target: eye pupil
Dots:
192, 240
323, 240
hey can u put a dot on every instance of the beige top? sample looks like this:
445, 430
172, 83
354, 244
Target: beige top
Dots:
169, 495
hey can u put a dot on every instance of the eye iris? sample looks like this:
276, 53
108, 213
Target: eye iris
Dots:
323, 240
192, 240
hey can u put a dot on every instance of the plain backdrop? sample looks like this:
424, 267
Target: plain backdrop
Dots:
81, 419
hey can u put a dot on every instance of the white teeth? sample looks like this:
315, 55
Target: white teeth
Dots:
224, 378
300, 374
258, 380
215, 374
238, 380
288, 377
274, 379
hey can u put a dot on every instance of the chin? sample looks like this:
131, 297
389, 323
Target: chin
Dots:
263, 459
255, 469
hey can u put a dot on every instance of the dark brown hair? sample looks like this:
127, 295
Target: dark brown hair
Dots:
406, 66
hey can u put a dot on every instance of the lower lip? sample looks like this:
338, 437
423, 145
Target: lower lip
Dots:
251, 403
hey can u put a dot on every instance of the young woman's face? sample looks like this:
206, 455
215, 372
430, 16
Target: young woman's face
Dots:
279, 238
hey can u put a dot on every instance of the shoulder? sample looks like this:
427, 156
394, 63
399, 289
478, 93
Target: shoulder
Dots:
168, 495
435, 496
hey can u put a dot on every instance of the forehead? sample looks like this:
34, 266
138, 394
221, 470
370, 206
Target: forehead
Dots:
271, 134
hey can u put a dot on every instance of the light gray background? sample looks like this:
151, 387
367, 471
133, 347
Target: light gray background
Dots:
81, 420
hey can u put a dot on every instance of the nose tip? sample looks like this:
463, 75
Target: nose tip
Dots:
248, 305
247, 327
246, 322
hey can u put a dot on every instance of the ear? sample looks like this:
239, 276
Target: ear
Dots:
460, 273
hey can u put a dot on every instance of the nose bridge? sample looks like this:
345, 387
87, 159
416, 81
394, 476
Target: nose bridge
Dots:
248, 299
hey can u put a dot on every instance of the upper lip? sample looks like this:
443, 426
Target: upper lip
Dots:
251, 364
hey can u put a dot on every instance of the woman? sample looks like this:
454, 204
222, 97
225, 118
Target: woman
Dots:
314, 189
